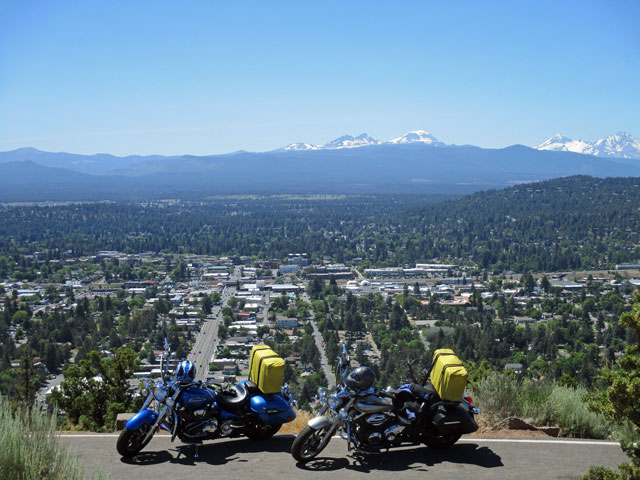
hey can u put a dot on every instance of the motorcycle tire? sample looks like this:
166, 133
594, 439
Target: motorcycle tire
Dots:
262, 432
131, 442
310, 443
441, 442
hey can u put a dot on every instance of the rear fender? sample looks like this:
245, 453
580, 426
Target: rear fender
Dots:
143, 417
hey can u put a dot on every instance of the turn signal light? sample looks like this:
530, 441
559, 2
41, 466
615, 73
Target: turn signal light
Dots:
468, 399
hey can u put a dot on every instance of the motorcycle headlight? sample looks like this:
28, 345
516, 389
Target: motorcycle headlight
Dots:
332, 401
322, 392
159, 393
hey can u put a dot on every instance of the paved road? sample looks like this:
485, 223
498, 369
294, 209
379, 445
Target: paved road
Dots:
41, 393
326, 368
207, 340
470, 459
206, 343
317, 336
424, 340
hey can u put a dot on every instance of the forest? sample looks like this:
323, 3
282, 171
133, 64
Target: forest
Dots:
563, 224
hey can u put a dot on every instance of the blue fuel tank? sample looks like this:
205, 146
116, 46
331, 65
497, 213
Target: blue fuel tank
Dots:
194, 397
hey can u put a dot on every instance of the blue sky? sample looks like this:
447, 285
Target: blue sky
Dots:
203, 77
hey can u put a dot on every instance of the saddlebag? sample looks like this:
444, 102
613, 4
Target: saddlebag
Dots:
266, 369
453, 419
448, 375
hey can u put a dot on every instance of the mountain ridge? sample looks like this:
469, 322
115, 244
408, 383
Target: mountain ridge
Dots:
618, 145
364, 140
383, 168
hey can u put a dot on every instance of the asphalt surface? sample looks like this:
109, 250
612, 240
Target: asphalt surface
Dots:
324, 363
206, 344
470, 459
206, 341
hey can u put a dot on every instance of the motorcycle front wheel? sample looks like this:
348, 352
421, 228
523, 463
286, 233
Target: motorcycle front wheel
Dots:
262, 432
130, 442
310, 443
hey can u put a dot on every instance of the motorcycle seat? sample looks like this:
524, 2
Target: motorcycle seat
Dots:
422, 389
233, 400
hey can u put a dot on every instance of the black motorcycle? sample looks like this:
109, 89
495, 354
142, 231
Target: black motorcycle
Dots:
371, 420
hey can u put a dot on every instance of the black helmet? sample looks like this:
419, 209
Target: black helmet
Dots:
361, 378
186, 371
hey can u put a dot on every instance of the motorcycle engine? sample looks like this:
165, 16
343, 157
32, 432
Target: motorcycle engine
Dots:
197, 424
378, 429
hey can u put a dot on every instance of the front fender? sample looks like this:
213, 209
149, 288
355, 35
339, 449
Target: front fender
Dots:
143, 417
319, 422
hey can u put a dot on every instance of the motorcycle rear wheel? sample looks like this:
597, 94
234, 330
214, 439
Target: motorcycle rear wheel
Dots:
442, 441
310, 443
262, 432
130, 442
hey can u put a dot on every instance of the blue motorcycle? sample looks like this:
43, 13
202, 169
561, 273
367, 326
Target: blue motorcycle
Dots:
197, 411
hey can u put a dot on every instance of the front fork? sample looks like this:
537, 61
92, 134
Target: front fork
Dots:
342, 424
168, 408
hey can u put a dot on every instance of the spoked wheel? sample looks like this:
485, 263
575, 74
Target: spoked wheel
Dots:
131, 442
310, 443
262, 432
442, 441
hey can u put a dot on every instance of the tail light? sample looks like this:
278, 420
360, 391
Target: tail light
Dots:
472, 409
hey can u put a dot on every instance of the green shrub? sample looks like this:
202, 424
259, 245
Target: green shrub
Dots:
533, 401
571, 413
541, 403
601, 473
497, 394
30, 449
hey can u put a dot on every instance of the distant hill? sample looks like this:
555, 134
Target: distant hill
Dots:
98, 164
417, 167
557, 225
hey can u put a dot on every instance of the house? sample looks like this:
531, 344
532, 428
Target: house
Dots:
516, 367
285, 322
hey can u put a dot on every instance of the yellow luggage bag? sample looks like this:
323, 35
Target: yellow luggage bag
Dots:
448, 375
266, 369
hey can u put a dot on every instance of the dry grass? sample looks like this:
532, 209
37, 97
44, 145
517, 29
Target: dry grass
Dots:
293, 428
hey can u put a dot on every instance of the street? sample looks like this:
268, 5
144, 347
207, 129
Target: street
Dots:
472, 458
207, 339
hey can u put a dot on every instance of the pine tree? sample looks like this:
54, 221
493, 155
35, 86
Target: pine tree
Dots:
27, 378
619, 402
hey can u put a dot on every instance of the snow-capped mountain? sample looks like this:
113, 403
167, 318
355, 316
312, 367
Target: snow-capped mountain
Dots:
561, 143
417, 136
364, 140
347, 141
297, 147
620, 145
